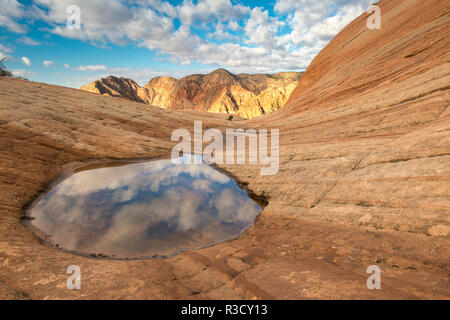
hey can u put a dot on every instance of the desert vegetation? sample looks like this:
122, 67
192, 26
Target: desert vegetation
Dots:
4, 72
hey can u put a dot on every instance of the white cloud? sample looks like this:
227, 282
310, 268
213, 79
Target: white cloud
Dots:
29, 41
47, 63
22, 73
6, 48
26, 61
233, 25
307, 27
243, 211
205, 11
106, 21
67, 66
91, 68
329, 27
261, 29
203, 185
11, 10
4, 52
220, 32
313, 23
285, 39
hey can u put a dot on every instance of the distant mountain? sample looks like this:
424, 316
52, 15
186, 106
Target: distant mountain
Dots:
245, 95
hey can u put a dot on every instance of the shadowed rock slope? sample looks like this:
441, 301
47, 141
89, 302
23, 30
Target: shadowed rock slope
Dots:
364, 177
117, 87
245, 95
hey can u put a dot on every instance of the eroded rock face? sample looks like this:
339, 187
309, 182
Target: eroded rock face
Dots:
116, 87
245, 95
363, 179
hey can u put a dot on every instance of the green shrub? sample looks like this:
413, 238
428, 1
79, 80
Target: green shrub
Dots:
3, 71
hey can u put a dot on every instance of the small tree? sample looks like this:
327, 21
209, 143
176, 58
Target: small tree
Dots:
3, 71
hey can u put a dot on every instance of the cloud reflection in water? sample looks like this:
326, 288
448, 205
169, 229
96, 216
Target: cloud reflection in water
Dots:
144, 209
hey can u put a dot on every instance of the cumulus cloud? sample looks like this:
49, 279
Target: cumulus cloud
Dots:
312, 22
233, 25
6, 48
220, 32
203, 185
104, 21
91, 68
47, 63
4, 52
6, 57
205, 11
10, 11
262, 29
29, 41
26, 61
285, 38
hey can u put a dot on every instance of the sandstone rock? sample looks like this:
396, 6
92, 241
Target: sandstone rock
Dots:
237, 264
439, 230
244, 95
365, 134
116, 87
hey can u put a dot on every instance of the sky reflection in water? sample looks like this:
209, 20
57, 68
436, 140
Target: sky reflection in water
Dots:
144, 209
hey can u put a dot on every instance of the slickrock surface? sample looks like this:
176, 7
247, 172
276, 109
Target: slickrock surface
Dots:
364, 177
245, 95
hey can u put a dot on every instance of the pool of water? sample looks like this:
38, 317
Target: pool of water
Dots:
148, 209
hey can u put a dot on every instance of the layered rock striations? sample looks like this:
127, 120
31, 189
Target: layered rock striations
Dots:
363, 177
245, 95
117, 87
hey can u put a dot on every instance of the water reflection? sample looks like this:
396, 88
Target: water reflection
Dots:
144, 209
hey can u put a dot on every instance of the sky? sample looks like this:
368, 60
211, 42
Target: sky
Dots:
142, 39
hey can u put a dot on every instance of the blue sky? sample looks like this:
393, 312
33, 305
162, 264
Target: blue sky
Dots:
141, 39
